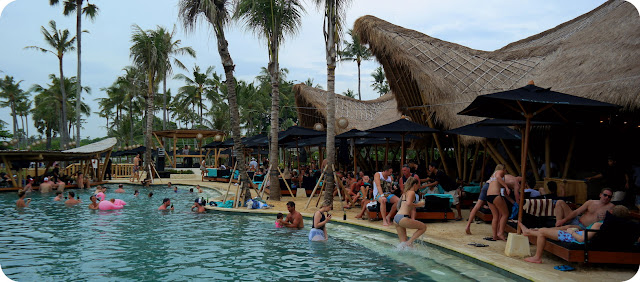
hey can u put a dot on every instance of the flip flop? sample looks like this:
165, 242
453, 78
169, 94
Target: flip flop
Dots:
489, 238
478, 245
564, 267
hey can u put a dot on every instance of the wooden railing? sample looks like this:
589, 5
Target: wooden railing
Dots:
117, 170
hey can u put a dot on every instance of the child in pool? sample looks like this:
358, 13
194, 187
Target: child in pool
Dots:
278, 224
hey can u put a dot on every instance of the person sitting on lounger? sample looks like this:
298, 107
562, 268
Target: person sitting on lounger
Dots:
567, 233
590, 211
367, 195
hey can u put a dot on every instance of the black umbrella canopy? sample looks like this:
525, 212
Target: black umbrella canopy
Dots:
313, 141
497, 132
213, 145
262, 141
541, 103
355, 133
402, 126
297, 132
508, 122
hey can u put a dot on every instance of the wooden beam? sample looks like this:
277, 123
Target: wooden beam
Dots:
316, 187
511, 156
175, 143
567, 162
533, 164
547, 155
500, 159
285, 182
106, 162
435, 138
473, 163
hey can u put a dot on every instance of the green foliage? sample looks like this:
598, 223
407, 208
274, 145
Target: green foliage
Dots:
380, 83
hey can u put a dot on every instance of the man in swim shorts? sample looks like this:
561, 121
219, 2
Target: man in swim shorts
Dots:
72, 199
166, 202
590, 212
294, 218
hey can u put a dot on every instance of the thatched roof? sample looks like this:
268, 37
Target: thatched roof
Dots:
80, 153
362, 115
596, 56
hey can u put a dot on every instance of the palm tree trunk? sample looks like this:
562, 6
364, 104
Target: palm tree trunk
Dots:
359, 95
15, 119
331, 102
273, 68
164, 102
131, 121
64, 133
79, 90
149, 126
48, 134
229, 67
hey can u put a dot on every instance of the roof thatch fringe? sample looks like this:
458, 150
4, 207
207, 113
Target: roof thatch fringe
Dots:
594, 56
362, 115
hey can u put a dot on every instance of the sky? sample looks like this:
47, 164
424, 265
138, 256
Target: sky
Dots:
484, 25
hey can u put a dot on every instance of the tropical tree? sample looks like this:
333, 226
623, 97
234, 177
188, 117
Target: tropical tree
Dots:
356, 52
380, 83
90, 11
272, 20
61, 42
22, 108
334, 18
349, 93
216, 13
173, 48
12, 95
310, 82
149, 53
195, 87
134, 84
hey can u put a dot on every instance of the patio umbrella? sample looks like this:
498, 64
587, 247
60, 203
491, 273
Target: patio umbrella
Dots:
533, 102
493, 132
296, 133
402, 127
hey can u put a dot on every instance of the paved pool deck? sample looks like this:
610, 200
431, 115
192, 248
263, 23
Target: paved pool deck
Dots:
449, 235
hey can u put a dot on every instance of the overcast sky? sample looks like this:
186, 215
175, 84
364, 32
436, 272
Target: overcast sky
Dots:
484, 25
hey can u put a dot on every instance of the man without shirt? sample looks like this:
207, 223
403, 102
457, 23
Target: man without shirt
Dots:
590, 212
20, 203
294, 218
46, 186
72, 199
94, 204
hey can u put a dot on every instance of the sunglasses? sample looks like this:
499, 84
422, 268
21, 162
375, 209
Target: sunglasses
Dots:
608, 196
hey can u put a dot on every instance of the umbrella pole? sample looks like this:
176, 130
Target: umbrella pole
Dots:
386, 153
523, 164
376, 146
402, 154
473, 163
484, 161
298, 149
354, 157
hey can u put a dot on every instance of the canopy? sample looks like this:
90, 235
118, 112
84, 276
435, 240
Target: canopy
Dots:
297, 132
496, 132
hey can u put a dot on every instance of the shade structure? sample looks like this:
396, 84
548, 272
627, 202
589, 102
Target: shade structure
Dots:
402, 127
214, 145
296, 132
509, 122
492, 132
533, 102
355, 133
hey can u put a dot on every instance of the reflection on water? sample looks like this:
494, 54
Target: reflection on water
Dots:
52, 242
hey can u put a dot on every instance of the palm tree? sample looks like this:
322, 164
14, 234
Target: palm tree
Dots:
90, 11
272, 20
349, 93
149, 53
355, 51
216, 13
195, 87
380, 83
61, 43
10, 90
23, 108
334, 15
172, 49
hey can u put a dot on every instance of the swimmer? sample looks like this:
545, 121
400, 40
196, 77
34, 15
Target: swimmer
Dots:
58, 196
20, 203
199, 189
191, 190
94, 204
166, 202
198, 205
175, 189
318, 230
136, 193
279, 217
72, 200
150, 194
120, 189
169, 185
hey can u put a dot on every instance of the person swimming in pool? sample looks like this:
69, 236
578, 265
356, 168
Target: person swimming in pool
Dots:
94, 203
198, 205
402, 219
279, 217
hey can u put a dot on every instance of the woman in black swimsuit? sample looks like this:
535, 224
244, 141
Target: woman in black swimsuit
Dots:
318, 230
497, 204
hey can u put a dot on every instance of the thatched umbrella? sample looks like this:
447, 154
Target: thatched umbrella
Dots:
531, 102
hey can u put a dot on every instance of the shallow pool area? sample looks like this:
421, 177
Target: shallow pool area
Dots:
52, 242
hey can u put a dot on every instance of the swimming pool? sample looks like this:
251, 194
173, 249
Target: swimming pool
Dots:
51, 242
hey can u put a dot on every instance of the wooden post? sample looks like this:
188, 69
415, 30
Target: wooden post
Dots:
376, 146
523, 163
533, 164
355, 157
386, 153
435, 138
230, 181
264, 180
175, 143
316, 187
500, 158
335, 176
237, 203
484, 161
465, 165
106, 162
511, 156
567, 162
547, 155
473, 164
458, 155
285, 182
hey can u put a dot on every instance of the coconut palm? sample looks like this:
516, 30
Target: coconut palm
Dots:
380, 83
90, 11
215, 12
12, 95
272, 20
173, 48
149, 54
334, 18
196, 87
356, 52
61, 42
23, 108
349, 93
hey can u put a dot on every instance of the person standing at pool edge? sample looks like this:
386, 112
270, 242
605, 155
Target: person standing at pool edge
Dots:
294, 218
136, 169
406, 205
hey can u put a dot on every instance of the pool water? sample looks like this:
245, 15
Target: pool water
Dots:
51, 242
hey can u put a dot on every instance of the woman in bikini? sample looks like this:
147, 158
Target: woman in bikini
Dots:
497, 204
482, 199
402, 219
